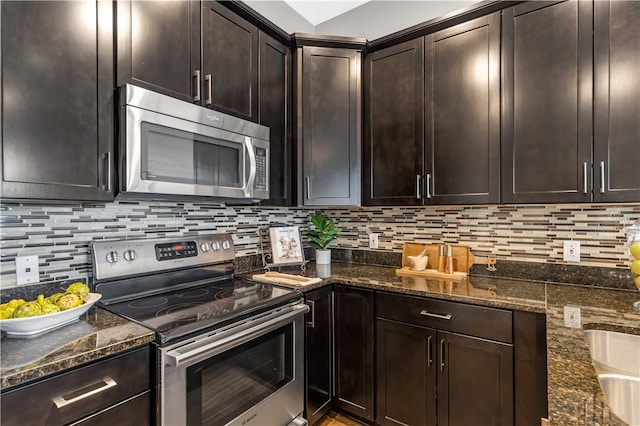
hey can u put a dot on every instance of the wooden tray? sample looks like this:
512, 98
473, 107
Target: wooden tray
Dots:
463, 259
431, 273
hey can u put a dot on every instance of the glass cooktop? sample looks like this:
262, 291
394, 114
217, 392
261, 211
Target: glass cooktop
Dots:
202, 308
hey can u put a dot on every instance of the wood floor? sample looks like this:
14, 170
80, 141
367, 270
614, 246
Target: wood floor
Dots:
335, 419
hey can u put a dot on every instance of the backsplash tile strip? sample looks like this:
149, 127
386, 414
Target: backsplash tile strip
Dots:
61, 234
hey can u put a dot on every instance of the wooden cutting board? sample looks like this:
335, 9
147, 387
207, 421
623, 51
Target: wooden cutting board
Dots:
463, 259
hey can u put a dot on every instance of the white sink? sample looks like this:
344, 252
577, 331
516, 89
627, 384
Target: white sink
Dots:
623, 396
616, 357
614, 352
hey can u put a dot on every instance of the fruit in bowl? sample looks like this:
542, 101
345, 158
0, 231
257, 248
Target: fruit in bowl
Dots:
72, 298
633, 243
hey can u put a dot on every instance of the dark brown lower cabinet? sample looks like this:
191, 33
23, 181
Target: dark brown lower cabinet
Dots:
354, 366
475, 381
406, 374
319, 369
431, 377
113, 391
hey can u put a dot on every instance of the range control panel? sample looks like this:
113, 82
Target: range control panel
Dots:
120, 258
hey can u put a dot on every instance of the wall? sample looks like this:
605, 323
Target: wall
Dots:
60, 235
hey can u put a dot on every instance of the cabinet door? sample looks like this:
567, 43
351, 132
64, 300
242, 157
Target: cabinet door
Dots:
159, 46
617, 101
475, 381
274, 112
462, 113
394, 125
319, 354
405, 374
547, 102
229, 62
330, 98
353, 320
57, 100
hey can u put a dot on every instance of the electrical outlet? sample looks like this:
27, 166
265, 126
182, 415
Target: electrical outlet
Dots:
571, 252
373, 241
27, 270
572, 317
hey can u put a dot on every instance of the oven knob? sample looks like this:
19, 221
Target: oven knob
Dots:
112, 257
204, 247
129, 255
215, 246
226, 245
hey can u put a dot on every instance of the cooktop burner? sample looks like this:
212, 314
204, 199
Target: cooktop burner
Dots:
179, 313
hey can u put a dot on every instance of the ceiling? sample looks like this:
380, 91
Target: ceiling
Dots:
316, 11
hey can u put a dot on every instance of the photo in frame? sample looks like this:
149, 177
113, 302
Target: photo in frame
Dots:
286, 245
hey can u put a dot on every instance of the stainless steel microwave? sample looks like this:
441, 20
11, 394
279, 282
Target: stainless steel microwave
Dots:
173, 149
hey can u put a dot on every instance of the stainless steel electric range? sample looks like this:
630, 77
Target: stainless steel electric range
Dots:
230, 351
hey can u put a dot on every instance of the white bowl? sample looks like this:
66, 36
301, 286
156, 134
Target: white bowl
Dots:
41, 323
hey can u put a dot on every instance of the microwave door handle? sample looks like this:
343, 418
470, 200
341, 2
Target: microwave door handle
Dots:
248, 189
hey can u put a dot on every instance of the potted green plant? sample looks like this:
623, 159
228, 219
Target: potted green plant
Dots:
324, 232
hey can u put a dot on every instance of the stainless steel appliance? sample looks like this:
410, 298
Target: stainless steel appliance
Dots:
230, 351
171, 148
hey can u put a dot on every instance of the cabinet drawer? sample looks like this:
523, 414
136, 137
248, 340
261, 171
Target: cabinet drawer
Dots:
479, 321
132, 412
77, 393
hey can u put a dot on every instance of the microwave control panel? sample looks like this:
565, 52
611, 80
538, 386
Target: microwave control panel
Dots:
261, 169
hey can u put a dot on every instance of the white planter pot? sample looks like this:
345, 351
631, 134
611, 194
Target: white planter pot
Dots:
323, 257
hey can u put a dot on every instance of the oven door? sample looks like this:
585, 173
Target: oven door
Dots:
249, 373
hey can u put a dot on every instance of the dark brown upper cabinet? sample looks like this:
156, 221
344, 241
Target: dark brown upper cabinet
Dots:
57, 100
616, 101
158, 46
229, 62
547, 58
433, 118
200, 52
394, 125
274, 111
462, 113
328, 99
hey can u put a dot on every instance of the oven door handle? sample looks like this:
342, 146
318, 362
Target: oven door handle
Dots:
179, 356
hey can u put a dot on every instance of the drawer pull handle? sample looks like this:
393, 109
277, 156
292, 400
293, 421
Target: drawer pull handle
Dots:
442, 360
429, 353
431, 314
312, 306
61, 401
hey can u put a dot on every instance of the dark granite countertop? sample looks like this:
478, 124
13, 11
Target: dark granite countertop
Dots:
574, 393
575, 397
97, 334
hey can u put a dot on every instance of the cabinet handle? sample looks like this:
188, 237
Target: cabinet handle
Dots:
428, 185
441, 354
584, 176
196, 76
207, 79
602, 177
431, 314
61, 401
308, 183
107, 159
418, 192
312, 311
429, 351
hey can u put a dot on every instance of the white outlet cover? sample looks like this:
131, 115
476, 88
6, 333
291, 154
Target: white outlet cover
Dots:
571, 251
373, 241
572, 317
27, 270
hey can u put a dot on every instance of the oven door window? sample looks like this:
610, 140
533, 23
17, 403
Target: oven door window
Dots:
225, 386
171, 155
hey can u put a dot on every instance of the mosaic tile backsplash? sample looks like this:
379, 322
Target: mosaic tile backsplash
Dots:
60, 235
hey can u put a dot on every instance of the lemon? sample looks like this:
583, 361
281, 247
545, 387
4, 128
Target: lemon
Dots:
634, 249
635, 266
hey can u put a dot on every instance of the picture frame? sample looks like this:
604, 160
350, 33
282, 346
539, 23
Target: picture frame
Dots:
286, 245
